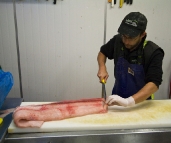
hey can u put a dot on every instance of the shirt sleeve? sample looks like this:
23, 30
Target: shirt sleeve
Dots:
154, 69
108, 48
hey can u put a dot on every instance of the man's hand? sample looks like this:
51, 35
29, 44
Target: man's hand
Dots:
102, 74
117, 100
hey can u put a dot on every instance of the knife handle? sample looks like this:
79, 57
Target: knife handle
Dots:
127, 2
114, 1
121, 3
103, 81
1, 120
54, 2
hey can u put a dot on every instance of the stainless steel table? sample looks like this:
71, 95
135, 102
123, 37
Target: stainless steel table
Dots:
162, 135
8, 103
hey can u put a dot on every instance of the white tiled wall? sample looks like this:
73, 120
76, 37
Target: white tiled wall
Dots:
8, 50
58, 46
59, 43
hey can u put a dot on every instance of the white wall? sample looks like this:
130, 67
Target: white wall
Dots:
58, 47
59, 44
8, 50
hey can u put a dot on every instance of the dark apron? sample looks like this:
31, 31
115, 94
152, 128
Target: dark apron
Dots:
129, 78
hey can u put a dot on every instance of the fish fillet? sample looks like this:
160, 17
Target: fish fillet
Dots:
36, 115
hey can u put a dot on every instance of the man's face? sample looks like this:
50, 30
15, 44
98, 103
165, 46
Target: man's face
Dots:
132, 42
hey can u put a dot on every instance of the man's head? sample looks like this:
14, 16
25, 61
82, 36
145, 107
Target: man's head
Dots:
132, 29
133, 24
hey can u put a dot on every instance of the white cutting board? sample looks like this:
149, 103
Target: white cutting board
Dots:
148, 114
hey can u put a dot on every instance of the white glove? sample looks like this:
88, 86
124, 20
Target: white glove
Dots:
117, 100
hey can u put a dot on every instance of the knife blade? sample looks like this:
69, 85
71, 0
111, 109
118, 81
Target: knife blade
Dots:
103, 89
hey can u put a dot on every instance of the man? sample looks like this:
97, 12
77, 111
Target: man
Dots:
137, 62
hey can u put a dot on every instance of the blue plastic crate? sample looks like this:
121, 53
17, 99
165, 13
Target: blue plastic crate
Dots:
6, 83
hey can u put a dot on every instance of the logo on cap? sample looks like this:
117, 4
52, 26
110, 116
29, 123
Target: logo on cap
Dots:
131, 22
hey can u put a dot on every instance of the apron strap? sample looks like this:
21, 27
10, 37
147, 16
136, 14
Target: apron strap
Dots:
145, 43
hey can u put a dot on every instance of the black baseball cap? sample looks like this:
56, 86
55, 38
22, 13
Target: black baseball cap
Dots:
133, 24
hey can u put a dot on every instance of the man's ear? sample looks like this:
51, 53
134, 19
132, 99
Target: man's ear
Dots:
143, 34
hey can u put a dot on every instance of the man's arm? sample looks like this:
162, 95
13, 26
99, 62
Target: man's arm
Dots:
102, 73
153, 76
153, 79
145, 92
140, 96
106, 51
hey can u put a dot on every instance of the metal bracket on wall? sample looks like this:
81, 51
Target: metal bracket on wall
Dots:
18, 49
121, 2
54, 2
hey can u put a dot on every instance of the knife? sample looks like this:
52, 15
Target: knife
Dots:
103, 89
127, 2
114, 1
121, 3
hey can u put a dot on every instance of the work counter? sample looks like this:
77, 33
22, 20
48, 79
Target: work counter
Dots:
140, 135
